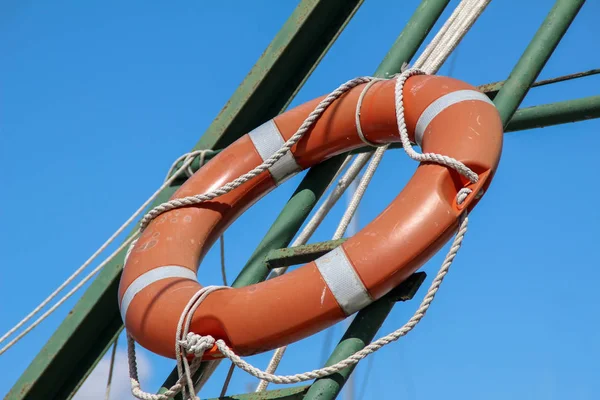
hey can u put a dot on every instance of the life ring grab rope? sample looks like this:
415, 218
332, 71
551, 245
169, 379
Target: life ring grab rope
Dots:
196, 345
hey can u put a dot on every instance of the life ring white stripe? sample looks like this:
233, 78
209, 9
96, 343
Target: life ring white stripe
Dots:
148, 278
343, 281
267, 140
443, 103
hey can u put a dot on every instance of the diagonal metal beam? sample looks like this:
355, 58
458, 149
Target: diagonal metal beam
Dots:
510, 96
318, 178
85, 334
561, 112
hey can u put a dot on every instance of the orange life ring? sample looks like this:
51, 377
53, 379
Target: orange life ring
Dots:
443, 115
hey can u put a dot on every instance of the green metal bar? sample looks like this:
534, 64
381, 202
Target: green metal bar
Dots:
491, 89
524, 118
85, 334
361, 332
293, 393
535, 57
365, 325
317, 179
300, 254
555, 113
283, 68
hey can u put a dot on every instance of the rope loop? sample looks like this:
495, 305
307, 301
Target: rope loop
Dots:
196, 345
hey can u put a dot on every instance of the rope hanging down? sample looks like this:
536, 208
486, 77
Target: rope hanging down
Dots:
432, 58
191, 343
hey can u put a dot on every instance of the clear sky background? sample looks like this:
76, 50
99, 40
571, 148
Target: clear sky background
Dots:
98, 98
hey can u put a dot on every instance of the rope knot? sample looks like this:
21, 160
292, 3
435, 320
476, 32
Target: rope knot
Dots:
197, 344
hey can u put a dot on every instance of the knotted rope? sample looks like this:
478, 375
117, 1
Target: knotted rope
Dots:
189, 343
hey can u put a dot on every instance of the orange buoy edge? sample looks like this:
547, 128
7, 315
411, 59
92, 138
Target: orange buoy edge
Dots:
443, 115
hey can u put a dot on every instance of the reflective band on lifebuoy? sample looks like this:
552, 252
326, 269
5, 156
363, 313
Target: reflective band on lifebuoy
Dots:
443, 115
267, 140
343, 281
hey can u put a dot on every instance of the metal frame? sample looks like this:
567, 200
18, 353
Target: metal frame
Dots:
318, 178
94, 323
85, 335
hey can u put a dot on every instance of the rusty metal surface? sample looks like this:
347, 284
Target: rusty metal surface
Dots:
293, 393
300, 254
562, 112
407, 289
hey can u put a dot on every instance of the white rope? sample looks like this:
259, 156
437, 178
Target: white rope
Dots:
319, 216
364, 182
197, 345
228, 187
438, 50
227, 380
312, 225
187, 160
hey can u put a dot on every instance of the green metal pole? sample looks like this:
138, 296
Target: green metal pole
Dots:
292, 393
86, 333
535, 57
507, 101
317, 179
555, 113
491, 89
359, 334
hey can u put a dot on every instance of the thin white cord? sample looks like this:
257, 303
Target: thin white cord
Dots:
228, 187
188, 160
195, 344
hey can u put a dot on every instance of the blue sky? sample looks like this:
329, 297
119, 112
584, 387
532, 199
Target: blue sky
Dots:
98, 98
